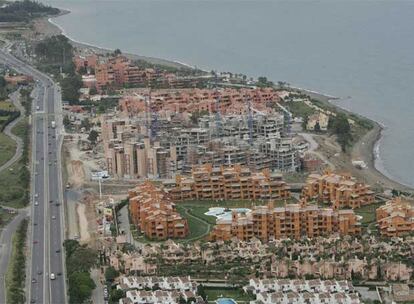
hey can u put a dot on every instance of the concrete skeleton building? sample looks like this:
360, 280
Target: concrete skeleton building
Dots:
291, 221
138, 148
154, 214
342, 191
226, 183
396, 217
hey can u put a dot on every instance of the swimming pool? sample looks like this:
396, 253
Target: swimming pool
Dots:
225, 301
224, 214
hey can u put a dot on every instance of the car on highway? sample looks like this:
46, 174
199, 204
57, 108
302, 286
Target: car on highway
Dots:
52, 276
53, 217
39, 272
34, 280
36, 203
35, 242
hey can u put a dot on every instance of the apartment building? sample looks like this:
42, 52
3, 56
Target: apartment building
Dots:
115, 72
228, 182
226, 101
340, 190
396, 217
154, 214
291, 221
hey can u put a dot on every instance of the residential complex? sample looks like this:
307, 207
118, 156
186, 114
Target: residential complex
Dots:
224, 101
147, 290
107, 72
226, 183
291, 221
269, 291
396, 217
340, 190
154, 213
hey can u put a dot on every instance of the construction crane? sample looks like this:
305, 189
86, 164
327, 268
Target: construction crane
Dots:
287, 116
249, 119
153, 119
218, 117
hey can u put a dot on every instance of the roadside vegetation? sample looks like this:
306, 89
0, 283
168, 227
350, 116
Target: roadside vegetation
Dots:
54, 55
24, 11
14, 182
16, 272
79, 261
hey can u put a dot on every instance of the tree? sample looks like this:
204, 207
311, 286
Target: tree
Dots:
86, 124
93, 91
340, 126
317, 127
110, 274
66, 121
70, 88
93, 136
80, 287
117, 52
116, 295
201, 292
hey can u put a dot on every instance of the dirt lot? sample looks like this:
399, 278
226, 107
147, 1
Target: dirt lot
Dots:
84, 197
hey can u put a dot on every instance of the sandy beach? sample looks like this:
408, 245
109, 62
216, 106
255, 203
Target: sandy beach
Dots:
47, 27
362, 150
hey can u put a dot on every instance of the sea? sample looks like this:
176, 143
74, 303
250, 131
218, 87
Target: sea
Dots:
359, 51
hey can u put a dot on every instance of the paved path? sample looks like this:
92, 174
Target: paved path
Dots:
8, 131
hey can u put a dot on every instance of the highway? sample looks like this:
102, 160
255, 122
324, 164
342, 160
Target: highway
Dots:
46, 261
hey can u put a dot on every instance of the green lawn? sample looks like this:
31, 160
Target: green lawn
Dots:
368, 213
7, 148
7, 106
20, 128
233, 293
198, 226
198, 208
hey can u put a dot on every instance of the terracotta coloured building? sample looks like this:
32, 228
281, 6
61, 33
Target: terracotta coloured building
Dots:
119, 71
342, 191
396, 217
229, 182
154, 213
232, 101
88, 61
291, 221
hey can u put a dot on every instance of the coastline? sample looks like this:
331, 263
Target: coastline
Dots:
48, 27
366, 149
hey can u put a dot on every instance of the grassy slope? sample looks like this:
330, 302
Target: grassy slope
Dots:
7, 148
13, 191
